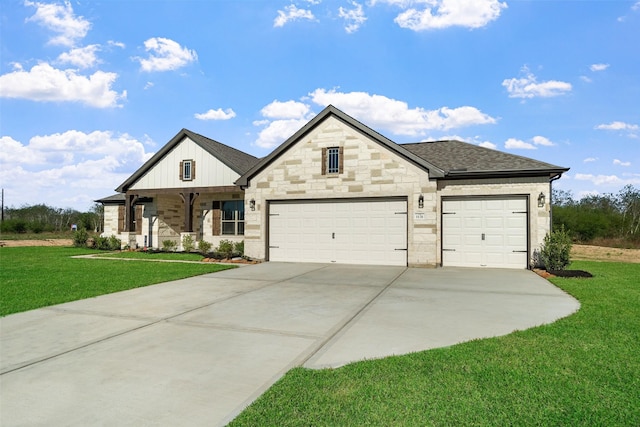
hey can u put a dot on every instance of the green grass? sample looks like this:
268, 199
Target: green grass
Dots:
579, 371
33, 277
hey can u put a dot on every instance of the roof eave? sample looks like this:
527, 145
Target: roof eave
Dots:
505, 173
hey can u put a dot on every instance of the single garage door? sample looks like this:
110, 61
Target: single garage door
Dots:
485, 232
347, 232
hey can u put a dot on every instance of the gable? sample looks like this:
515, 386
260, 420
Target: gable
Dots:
366, 168
331, 112
234, 162
208, 170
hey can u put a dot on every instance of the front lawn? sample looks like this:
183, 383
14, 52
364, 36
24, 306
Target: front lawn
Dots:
581, 370
33, 277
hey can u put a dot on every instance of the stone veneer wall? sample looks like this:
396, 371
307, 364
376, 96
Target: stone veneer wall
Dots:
369, 171
110, 220
539, 218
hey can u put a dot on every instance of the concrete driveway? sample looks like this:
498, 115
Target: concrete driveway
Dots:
197, 351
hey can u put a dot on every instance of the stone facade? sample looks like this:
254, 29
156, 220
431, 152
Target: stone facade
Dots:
369, 170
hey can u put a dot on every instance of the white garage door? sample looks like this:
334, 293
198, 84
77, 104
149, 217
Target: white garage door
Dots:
346, 232
489, 232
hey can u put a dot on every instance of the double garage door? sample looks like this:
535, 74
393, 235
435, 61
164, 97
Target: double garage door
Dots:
485, 232
369, 231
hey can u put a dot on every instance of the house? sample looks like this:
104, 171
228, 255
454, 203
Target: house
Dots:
186, 188
338, 191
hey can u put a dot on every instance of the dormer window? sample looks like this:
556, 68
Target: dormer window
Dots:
187, 170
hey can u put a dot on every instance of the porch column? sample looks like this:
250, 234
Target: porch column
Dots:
129, 216
188, 199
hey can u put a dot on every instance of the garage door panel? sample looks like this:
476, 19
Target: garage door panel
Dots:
356, 232
502, 222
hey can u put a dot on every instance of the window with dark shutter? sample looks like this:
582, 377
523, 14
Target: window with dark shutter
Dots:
333, 160
187, 170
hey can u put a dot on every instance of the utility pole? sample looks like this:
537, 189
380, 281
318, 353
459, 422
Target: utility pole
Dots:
2, 218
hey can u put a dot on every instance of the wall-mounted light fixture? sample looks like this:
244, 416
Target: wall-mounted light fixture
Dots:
252, 204
421, 201
541, 200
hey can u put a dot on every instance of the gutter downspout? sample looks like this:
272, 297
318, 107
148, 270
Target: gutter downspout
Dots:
555, 178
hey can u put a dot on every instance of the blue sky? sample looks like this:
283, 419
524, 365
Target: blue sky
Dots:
90, 90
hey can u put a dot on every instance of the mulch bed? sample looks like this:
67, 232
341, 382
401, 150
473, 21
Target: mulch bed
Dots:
563, 273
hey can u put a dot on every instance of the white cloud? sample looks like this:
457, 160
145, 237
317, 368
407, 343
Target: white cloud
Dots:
609, 180
116, 44
518, 144
617, 126
278, 131
60, 19
385, 113
45, 83
354, 18
513, 143
69, 169
420, 15
585, 79
292, 13
590, 159
148, 85
598, 67
286, 110
218, 114
165, 55
529, 87
82, 57
621, 163
283, 119
541, 140
487, 144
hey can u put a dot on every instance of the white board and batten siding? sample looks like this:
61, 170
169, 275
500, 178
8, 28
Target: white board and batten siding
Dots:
485, 232
209, 171
346, 232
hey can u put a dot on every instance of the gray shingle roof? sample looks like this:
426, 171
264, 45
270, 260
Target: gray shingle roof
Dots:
237, 160
116, 199
457, 158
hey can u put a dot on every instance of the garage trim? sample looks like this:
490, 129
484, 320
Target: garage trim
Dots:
526, 197
269, 203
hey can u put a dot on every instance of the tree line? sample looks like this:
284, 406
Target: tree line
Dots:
42, 218
604, 216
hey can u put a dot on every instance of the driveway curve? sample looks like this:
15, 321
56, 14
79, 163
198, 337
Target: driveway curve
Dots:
197, 351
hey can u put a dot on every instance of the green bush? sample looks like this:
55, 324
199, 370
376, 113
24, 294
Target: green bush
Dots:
114, 243
239, 248
556, 250
225, 248
204, 247
80, 238
187, 243
169, 245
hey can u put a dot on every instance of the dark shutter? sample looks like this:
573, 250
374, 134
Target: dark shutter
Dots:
193, 169
216, 218
120, 219
181, 170
139, 219
340, 159
324, 161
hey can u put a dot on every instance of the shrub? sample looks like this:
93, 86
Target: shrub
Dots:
101, 243
114, 243
187, 243
204, 247
80, 238
225, 248
556, 250
239, 248
169, 245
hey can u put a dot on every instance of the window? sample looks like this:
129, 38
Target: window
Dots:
232, 216
332, 160
187, 170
